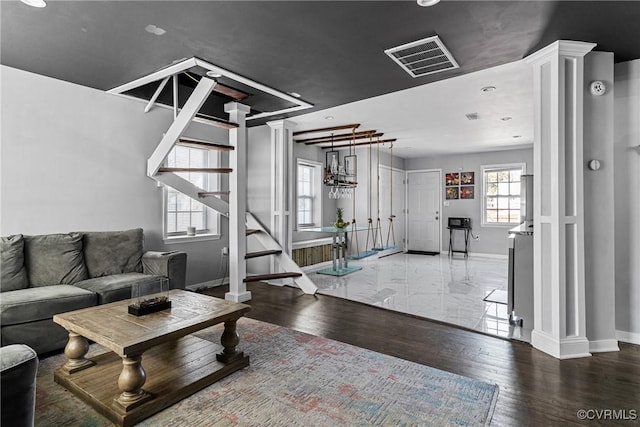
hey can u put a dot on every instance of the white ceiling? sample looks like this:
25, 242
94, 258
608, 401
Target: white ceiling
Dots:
430, 119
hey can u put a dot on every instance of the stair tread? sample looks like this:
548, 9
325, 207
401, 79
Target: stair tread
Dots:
210, 170
252, 231
200, 143
213, 193
214, 121
261, 277
262, 253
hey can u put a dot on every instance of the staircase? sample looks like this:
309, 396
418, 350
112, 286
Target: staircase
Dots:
235, 209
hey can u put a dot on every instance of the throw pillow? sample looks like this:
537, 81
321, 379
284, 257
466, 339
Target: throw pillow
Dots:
13, 275
54, 259
113, 252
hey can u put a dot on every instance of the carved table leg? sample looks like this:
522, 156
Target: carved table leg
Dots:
75, 351
130, 382
229, 341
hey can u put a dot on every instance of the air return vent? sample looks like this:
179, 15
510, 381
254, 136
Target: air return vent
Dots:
422, 57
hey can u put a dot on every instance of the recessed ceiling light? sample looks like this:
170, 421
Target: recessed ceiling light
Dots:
35, 3
154, 30
214, 74
427, 3
506, 119
295, 94
488, 89
328, 117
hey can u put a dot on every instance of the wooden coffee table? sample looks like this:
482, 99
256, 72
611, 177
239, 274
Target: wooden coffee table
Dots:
176, 364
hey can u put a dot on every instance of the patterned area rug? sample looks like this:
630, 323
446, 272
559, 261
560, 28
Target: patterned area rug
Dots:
297, 379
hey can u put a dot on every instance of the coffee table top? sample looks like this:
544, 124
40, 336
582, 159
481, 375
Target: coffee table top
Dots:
111, 326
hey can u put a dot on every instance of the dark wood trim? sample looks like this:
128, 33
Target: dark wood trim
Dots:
199, 143
368, 136
250, 231
213, 193
214, 121
357, 144
258, 254
327, 129
340, 137
206, 170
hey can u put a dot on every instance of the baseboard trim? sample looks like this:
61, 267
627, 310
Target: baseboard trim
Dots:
629, 337
568, 348
603, 346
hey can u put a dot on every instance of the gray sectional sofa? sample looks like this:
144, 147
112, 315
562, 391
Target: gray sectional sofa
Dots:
55, 273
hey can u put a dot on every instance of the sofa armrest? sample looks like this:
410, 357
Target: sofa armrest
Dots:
18, 390
170, 264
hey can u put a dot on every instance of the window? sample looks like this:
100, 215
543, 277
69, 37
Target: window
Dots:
501, 194
309, 194
181, 211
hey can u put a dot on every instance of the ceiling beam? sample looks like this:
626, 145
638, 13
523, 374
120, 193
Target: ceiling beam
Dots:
379, 141
345, 137
327, 129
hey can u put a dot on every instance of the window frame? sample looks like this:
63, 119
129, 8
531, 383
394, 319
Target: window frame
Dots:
210, 218
484, 169
316, 186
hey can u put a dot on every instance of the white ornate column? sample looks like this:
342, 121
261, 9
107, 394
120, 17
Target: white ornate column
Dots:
237, 203
558, 270
282, 185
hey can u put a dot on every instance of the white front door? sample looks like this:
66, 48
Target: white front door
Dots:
423, 217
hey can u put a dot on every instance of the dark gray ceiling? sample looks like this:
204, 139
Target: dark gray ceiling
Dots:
330, 52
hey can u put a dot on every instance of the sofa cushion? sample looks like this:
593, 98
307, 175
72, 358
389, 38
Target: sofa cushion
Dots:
54, 259
31, 304
113, 252
13, 274
117, 286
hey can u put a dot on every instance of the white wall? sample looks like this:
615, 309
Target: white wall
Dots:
599, 238
627, 199
74, 158
493, 239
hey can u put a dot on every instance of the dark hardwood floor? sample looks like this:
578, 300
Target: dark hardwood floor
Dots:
535, 389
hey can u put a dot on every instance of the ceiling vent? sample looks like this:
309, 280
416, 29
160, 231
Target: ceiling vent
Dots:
422, 57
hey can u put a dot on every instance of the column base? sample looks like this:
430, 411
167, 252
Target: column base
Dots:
242, 297
567, 348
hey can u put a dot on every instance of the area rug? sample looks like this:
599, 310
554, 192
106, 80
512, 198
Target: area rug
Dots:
296, 379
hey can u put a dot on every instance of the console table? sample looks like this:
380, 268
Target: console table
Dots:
340, 261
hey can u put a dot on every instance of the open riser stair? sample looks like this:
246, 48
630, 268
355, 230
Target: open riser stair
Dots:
170, 177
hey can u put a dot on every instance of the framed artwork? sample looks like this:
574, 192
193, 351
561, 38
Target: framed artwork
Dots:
467, 191
467, 178
452, 178
460, 185
452, 193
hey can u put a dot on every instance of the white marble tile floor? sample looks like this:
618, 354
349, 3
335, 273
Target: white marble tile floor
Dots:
448, 289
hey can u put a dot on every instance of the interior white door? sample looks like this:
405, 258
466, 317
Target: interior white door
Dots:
423, 204
392, 203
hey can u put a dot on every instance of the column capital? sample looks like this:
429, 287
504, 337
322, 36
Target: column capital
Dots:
236, 106
281, 123
560, 48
